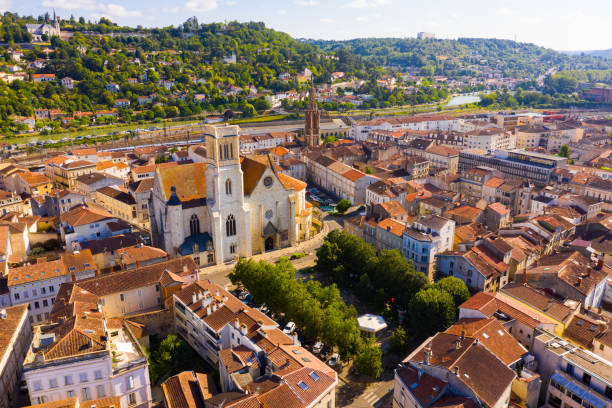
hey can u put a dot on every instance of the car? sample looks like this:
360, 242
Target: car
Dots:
318, 347
264, 309
289, 328
242, 295
334, 360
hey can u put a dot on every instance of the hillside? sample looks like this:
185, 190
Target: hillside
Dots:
593, 53
464, 56
145, 74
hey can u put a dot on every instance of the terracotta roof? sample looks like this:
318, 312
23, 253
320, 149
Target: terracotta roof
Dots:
582, 330
9, 325
36, 272
454, 401
83, 215
291, 183
117, 194
393, 226
538, 300
253, 168
353, 175
188, 179
62, 403
135, 278
281, 396
499, 208
79, 261
309, 384
237, 358
143, 253
111, 243
493, 335
483, 302
475, 365
34, 179
188, 390
87, 151
77, 164
424, 387
393, 208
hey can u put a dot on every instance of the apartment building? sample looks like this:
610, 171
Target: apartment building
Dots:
572, 377
119, 203
86, 222
37, 285
343, 181
248, 346
83, 354
66, 172
15, 338
10, 202
490, 139
33, 184
424, 238
519, 164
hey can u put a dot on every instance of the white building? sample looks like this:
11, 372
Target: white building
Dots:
84, 223
490, 139
425, 238
82, 354
227, 207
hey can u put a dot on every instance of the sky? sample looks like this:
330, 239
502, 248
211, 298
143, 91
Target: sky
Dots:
557, 24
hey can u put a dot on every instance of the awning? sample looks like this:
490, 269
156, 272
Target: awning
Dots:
586, 395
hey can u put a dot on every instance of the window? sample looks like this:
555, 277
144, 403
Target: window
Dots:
45, 303
586, 378
34, 292
569, 369
121, 297
70, 393
68, 380
132, 398
130, 382
36, 305
53, 383
100, 391
83, 377
43, 291
85, 395
232, 248
194, 225
228, 187
51, 289
41, 400
16, 296
98, 374
230, 226
37, 386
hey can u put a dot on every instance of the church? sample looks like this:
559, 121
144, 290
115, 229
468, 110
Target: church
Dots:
227, 207
50, 30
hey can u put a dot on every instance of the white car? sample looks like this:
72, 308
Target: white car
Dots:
334, 360
289, 328
318, 347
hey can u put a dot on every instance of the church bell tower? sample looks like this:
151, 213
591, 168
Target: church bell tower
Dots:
312, 131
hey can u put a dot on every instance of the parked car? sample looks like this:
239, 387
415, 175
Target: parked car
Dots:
334, 360
318, 347
289, 328
242, 295
264, 309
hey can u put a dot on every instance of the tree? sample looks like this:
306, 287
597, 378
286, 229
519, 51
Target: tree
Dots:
368, 170
399, 342
170, 357
564, 151
343, 255
342, 206
330, 139
431, 310
369, 359
454, 287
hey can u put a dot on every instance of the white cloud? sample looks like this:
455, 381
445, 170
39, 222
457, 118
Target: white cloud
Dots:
282, 12
170, 10
367, 3
5, 5
73, 4
99, 9
231, 3
327, 20
363, 19
201, 5
307, 3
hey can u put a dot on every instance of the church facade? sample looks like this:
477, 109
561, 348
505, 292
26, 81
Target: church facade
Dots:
50, 30
228, 206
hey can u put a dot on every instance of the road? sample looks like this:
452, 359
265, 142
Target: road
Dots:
218, 273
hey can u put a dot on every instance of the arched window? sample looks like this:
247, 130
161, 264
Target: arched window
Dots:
194, 225
228, 187
220, 153
225, 152
230, 226
231, 150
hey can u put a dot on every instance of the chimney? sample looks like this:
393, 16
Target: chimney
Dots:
185, 269
296, 342
194, 297
237, 324
217, 292
458, 344
426, 357
244, 330
462, 335
3, 314
208, 310
456, 370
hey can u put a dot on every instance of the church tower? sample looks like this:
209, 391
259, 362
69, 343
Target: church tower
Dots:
312, 131
229, 216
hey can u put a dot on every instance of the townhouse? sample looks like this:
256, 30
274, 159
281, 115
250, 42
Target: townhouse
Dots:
15, 338
119, 203
86, 222
427, 236
83, 354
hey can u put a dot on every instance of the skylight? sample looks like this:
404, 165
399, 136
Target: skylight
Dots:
302, 385
314, 376
501, 333
485, 335
296, 351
